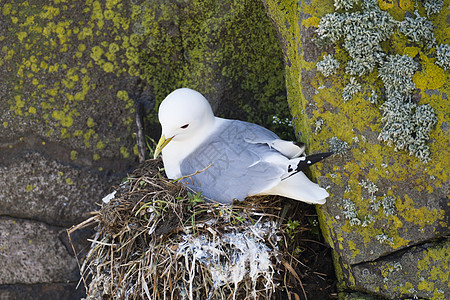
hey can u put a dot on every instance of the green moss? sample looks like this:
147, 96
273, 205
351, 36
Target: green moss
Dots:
232, 42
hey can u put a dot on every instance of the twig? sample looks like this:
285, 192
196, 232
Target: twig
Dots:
292, 271
189, 176
78, 262
102, 243
83, 224
140, 139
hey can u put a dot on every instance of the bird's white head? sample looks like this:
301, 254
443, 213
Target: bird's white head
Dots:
183, 114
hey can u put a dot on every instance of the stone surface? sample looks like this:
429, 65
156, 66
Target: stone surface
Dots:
382, 201
66, 291
31, 252
41, 188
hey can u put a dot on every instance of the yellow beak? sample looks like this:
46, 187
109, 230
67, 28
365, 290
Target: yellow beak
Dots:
161, 144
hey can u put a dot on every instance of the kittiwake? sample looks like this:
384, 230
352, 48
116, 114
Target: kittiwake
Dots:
230, 159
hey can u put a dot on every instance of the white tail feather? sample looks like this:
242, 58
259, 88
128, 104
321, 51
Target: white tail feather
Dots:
300, 188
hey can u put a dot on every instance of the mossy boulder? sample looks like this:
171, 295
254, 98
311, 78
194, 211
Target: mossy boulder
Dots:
385, 198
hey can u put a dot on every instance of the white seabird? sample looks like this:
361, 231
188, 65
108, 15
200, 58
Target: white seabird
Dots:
230, 159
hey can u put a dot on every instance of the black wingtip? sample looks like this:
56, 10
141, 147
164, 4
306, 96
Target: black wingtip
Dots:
312, 159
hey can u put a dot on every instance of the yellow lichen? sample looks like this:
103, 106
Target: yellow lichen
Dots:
312, 21
431, 76
421, 216
90, 122
100, 145
108, 67
73, 155
406, 4
385, 4
66, 120
124, 152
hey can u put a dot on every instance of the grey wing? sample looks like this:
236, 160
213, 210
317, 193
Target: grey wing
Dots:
261, 135
234, 168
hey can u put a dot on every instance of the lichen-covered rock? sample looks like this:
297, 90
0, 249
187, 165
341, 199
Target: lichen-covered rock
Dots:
382, 200
421, 272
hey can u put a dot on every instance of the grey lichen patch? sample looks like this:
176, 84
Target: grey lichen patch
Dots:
388, 203
398, 117
396, 73
328, 65
370, 187
362, 33
345, 4
349, 211
330, 28
418, 29
384, 239
433, 6
407, 127
373, 98
424, 121
318, 124
369, 219
351, 89
338, 146
443, 56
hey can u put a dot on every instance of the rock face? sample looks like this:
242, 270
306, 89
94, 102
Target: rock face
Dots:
387, 217
72, 75
34, 249
48, 190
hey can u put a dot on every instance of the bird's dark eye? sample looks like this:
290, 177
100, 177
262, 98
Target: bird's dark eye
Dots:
184, 126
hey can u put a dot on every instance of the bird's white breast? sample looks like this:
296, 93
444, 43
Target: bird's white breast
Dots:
176, 151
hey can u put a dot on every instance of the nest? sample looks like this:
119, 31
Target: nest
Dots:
157, 240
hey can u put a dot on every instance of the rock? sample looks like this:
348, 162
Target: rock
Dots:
32, 253
383, 200
41, 188
357, 296
420, 272
41, 291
